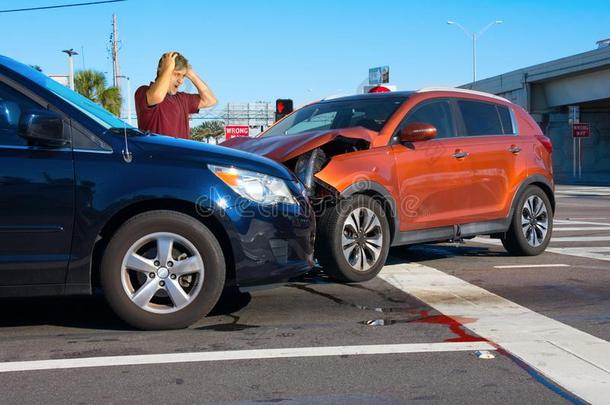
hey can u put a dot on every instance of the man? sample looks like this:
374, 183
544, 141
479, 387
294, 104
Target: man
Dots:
161, 108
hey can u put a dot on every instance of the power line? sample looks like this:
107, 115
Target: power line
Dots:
91, 3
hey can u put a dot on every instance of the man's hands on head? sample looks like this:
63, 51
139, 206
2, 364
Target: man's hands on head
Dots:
168, 61
158, 90
207, 98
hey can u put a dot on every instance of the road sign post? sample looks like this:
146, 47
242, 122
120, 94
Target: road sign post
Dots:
580, 130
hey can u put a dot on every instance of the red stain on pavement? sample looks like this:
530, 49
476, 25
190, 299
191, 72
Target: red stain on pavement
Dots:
455, 324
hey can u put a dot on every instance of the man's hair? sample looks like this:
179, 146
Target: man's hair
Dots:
181, 63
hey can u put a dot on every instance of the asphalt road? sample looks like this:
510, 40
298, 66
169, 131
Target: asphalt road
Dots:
410, 335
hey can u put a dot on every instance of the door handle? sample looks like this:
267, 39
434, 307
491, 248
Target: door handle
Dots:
460, 155
514, 149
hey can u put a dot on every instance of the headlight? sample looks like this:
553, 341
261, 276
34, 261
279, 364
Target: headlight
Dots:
258, 187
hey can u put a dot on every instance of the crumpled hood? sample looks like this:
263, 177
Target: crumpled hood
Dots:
285, 147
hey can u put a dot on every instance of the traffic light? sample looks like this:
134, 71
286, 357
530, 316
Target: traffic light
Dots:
283, 107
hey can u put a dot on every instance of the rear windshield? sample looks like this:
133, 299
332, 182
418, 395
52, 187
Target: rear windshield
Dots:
367, 113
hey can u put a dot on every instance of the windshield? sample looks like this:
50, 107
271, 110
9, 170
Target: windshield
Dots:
371, 113
83, 104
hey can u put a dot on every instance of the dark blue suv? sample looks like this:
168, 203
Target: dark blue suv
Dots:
161, 225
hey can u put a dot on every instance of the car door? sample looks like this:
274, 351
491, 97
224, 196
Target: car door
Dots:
434, 176
36, 198
495, 153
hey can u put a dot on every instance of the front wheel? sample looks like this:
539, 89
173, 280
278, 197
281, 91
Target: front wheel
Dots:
353, 239
162, 270
532, 224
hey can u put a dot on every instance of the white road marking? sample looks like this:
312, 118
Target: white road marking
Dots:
573, 359
581, 239
590, 252
570, 222
582, 228
527, 266
585, 219
242, 355
584, 192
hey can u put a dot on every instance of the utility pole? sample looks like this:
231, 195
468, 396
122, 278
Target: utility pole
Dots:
116, 68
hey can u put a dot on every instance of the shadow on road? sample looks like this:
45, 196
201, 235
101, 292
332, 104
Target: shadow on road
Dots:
420, 253
92, 312
88, 312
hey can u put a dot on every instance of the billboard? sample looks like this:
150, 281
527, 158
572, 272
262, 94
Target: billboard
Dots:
379, 75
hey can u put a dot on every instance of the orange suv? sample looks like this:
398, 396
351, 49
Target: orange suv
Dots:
402, 168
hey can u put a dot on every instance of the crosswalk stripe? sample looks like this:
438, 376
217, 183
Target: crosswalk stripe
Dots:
582, 228
590, 252
529, 266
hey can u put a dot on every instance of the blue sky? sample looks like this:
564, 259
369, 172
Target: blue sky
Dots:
262, 50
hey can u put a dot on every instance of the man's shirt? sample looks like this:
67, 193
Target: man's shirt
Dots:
169, 117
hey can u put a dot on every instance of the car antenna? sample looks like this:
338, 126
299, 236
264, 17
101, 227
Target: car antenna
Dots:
127, 156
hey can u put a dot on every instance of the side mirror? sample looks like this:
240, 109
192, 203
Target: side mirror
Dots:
43, 127
417, 131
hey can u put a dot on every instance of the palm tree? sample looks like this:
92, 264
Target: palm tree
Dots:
208, 129
92, 84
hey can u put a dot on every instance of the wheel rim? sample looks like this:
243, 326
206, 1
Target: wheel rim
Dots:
362, 239
162, 273
534, 221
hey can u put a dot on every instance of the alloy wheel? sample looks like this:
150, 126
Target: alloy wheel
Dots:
162, 272
534, 220
362, 239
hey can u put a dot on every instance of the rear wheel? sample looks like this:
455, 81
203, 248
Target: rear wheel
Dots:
532, 224
353, 239
162, 270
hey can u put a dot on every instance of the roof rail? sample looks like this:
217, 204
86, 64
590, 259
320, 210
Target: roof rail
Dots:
458, 90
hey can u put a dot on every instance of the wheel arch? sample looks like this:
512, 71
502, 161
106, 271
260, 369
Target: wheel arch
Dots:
535, 180
380, 194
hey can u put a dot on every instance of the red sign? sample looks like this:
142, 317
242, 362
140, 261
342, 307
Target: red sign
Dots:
379, 89
232, 131
581, 130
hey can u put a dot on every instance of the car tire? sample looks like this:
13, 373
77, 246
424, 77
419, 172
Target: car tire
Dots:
162, 270
353, 239
529, 234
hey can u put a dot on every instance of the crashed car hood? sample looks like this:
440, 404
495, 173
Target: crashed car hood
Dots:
285, 147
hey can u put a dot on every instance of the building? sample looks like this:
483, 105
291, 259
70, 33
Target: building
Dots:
557, 93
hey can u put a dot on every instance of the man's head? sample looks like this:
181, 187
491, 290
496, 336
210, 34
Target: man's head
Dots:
179, 73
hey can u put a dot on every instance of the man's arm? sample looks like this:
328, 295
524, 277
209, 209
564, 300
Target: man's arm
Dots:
207, 98
158, 90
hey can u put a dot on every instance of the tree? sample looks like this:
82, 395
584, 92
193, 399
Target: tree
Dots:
92, 84
207, 130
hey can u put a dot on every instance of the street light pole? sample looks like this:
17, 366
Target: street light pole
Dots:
474, 36
71, 52
128, 97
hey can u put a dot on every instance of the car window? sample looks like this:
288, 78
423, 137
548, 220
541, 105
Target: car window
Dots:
371, 113
316, 122
480, 118
436, 113
505, 119
13, 105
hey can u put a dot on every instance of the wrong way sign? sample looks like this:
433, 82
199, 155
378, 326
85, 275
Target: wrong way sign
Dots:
232, 131
581, 130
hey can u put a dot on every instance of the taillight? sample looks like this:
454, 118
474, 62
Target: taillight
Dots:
546, 142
